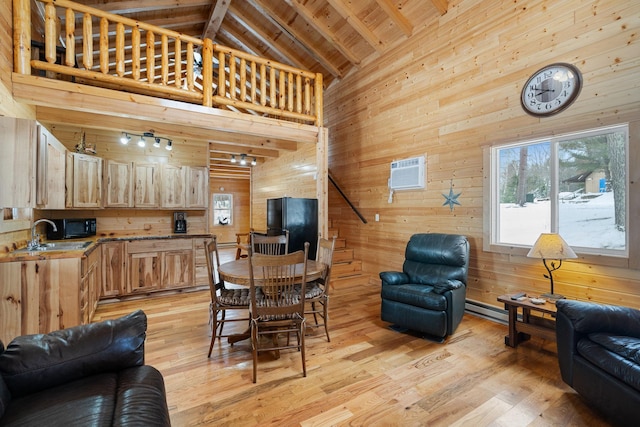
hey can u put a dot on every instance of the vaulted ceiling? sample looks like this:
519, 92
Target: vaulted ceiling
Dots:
332, 37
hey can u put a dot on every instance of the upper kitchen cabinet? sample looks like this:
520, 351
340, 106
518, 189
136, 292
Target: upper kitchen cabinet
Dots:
146, 193
84, 181
197, 186
173, 186
50, 173
118, 184
18, 163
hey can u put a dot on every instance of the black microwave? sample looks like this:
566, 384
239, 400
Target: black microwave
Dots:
72, 228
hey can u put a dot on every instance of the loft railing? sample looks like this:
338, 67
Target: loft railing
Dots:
133, 56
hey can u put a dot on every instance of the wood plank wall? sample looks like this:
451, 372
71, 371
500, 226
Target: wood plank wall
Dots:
293, 174
452, 90
240, 190
8, 107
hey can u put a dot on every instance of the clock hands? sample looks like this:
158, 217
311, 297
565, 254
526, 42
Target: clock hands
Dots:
541, 91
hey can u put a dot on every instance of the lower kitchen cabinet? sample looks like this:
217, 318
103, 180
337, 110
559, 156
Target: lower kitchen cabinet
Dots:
159, 264
40, 296
114, 269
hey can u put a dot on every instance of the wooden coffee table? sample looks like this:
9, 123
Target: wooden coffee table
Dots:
522, 329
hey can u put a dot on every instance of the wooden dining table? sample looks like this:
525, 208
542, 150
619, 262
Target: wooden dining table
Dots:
237, 272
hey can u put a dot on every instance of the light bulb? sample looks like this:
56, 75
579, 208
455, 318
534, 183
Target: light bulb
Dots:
169, 147
243, 160
233, 159
254, 162
124, 139
157, 142
141, 142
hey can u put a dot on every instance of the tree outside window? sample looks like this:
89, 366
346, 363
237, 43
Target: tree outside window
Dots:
222, 209
574, 185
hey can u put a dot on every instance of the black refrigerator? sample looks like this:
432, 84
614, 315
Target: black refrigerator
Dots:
299, 216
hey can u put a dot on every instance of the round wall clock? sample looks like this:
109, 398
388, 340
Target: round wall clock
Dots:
551, 89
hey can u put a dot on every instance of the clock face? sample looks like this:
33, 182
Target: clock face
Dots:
551, 89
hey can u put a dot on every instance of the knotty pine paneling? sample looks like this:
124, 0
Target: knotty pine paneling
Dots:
453, 89
290, 175
240, 189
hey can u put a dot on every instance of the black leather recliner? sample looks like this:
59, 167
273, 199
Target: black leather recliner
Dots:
428, 296
599, 356
89, 375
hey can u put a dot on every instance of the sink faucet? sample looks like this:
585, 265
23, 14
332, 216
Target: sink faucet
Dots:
35, 237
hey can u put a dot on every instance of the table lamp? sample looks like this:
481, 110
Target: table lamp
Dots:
550, 246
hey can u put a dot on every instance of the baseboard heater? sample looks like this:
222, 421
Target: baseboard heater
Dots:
487, 311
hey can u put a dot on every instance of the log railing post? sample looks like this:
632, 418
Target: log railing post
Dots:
22, 36
318, 96
207, 73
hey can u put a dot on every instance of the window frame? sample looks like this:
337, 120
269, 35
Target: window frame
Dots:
215, 221
491, 180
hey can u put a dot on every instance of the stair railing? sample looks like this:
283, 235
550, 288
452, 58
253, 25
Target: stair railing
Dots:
344, 196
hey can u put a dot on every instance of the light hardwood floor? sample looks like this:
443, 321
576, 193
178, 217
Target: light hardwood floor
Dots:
367, 375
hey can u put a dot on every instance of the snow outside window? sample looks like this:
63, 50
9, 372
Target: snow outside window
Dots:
222, 209
574, 185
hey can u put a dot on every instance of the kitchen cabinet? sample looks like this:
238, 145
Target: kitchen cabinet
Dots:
39, 296
173, 186
159, 264
118, 177
197, 180
147, 185
90, 285
84, 181
50, 173
114, 269
18, 163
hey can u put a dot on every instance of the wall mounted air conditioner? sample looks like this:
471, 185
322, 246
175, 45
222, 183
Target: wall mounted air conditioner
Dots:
407, 174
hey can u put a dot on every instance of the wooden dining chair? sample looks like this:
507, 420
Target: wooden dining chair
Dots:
243, 242
222, 299
281, 311
317, 292
270, 245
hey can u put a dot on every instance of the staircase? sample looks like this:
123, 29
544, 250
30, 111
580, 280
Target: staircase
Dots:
345, 270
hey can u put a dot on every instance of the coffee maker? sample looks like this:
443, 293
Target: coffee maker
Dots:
179, 222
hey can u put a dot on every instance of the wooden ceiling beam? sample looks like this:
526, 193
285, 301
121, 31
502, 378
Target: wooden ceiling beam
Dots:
237, 150
349, 15
441, 5
264, 38
135, 6
218, 11
398, 18
298, 38
307, 15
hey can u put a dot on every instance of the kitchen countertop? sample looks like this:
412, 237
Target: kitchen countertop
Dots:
79, 253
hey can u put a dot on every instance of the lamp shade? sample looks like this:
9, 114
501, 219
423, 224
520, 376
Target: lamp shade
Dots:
551, 246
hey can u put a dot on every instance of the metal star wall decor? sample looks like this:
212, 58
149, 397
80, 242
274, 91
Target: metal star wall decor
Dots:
451, 199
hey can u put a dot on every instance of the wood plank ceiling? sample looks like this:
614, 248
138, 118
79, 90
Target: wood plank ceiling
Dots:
332, 37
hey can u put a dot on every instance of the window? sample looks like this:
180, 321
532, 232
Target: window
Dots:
573, 184
222, 209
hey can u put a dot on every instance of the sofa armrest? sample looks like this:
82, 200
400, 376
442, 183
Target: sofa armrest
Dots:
36, 362
587, 317
394, 278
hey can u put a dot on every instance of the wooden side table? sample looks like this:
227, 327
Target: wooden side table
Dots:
522, 329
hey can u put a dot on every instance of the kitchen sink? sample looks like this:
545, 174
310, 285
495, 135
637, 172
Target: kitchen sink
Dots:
56, 246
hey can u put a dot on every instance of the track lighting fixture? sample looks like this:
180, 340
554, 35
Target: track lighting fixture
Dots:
243, 160
126, 138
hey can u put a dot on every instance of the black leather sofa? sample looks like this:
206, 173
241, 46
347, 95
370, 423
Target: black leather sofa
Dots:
428, 296
599, 356
90, 375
